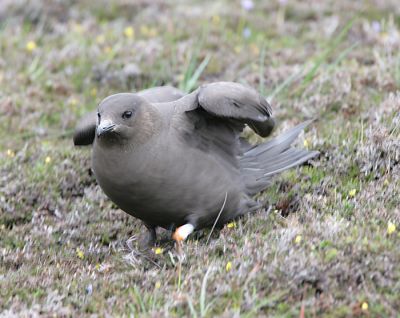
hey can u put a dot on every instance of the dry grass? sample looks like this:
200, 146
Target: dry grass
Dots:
323, 244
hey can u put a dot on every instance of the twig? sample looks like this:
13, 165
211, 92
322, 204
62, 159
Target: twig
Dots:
216, 220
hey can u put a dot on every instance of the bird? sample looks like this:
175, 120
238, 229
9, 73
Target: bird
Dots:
179, 161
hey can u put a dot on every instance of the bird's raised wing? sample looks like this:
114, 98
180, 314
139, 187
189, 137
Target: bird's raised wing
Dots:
85, 129
234, 102
215, 114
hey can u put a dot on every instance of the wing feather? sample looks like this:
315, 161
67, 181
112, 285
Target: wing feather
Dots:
235, 101
218, 113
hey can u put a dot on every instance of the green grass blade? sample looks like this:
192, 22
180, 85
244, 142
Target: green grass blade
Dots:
261, 86
342, 56
194, 78
203, 307
286, 83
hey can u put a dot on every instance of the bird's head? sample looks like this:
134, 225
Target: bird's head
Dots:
118, 116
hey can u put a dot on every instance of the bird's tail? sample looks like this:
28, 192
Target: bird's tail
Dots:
261, 162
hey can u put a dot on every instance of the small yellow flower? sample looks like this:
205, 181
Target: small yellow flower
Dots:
78, 28
80, 253
144, 30
298, 239
254, 49
231, 225
364, 306
107, 49
97, 266
157, 285
180, 77
158, 250
152, 32
100, 39
73, 101
352, 193
384, 36
391, 228
228, 266
93, 91
237, 49
386, 182
47, 160
129, 32
31, 46
305, 143
10, 153
216, 19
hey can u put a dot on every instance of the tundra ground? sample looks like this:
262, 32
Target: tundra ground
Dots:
326, 243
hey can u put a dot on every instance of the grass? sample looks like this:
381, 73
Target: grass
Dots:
323, 243
192, 74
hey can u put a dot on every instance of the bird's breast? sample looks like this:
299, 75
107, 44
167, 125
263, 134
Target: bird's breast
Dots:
141, 182
163, 185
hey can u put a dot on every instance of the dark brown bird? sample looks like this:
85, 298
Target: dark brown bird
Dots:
180, 163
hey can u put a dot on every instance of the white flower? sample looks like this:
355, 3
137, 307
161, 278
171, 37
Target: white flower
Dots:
376, 26
248, 5
246, 33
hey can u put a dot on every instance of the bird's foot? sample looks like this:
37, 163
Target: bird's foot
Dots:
182, 232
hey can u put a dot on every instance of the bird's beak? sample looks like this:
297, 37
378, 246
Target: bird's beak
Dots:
104, 127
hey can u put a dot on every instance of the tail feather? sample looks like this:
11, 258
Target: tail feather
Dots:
283, 156
277, 144
290, 164
260, 163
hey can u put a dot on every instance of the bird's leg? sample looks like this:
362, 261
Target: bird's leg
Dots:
182, 232
148, 239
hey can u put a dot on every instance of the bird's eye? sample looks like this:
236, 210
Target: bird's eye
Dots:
98, 116
127, 114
